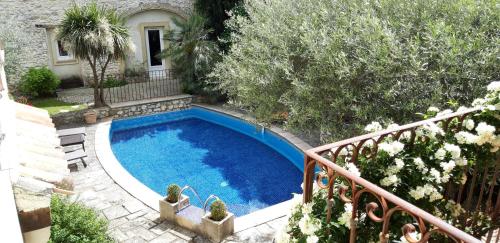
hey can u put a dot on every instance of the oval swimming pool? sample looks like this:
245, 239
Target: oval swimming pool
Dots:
247, 167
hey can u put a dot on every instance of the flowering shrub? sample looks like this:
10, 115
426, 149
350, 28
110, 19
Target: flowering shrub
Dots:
421, 168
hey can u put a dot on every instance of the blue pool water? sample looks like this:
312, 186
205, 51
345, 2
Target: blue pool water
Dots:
246, 167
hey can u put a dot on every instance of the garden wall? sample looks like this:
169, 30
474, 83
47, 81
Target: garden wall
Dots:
127, 109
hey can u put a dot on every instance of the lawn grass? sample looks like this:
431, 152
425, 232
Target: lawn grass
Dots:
54, 106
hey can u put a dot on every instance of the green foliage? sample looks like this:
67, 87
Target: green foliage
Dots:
173, 191
73, 222
218, 210
191, 53
111, 82
216, 13
427, 168
39, 82
335, 65
97, 35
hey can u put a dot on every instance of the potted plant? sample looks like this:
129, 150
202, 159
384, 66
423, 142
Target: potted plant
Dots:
170, 205
90, 117
218, 223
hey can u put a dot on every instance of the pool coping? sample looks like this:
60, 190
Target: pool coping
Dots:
149, 197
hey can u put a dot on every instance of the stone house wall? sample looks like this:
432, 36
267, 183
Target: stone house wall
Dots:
137, 108
28, 20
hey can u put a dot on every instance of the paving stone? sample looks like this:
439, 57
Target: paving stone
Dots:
135, 239
117, 222
118, 235
265, 230
166, 238
115, 212
144, 233
161, 228
135, 215
133, 206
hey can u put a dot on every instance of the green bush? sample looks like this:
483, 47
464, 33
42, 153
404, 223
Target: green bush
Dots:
173, 191
39, 82
335, 65
218, 210
73, 222
113, 82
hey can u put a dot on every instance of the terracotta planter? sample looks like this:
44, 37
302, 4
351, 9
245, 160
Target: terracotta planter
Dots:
90, 117
217, 231
168, 210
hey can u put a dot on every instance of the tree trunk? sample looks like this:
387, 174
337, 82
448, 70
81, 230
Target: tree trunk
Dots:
97, 96
101, 84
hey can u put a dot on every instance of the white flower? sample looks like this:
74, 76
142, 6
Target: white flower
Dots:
485, 133
469, 124
307, 208
465, 138
448, 167
345, 217
435, 195
455, 208
419, 163
392, 148
433, 109
399, 163
353, 169
282, 236
445, 112
445, 178
436, 175
389, 180
478, 102
417, 193
461, 161
494, 86
414, 235
440, 154
312, 239
454, 150
430, 130
373, 127
309, 225
343, 152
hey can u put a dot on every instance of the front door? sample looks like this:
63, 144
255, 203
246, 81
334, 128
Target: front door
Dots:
154, 45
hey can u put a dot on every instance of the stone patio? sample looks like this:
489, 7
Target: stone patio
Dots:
132, 221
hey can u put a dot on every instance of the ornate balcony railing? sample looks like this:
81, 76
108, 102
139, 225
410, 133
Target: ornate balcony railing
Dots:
480, 194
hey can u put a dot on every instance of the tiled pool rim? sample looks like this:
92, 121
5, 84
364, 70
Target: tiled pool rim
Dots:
149, 197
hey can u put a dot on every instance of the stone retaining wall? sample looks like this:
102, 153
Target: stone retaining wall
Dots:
126, 110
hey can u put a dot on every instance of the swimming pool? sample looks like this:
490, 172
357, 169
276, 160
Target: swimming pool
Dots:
247, 167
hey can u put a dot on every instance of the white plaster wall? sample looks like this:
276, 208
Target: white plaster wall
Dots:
7, 120
134, 24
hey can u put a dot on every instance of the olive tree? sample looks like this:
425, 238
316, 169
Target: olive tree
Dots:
331, 66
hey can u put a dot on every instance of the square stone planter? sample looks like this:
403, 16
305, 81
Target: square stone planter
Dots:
217, 231
168, 210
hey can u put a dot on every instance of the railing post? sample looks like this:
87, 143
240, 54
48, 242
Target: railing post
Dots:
308, 178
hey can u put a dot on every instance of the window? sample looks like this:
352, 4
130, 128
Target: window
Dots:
61, 52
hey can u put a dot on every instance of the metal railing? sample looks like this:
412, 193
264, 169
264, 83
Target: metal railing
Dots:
139, 86
480, 188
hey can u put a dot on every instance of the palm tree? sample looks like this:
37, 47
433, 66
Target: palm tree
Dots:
97, 35
192, 54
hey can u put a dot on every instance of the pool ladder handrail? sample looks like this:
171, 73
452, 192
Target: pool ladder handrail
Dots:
180, 195
212, 196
